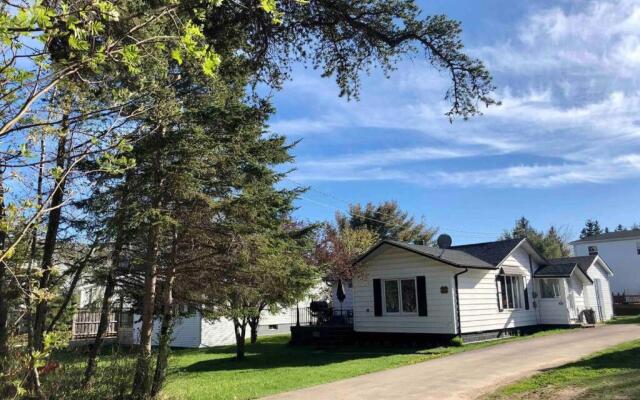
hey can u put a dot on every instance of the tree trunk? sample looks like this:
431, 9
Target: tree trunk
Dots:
4, 306
72, 287
109, 289
141, 377
51, 237
253, 324
141, 384
103, 325
240, 328
167, 325
33, 377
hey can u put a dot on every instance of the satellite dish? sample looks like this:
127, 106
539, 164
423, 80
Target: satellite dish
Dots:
444, 241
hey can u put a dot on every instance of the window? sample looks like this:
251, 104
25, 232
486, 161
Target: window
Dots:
638, 246
549, 288
273, 327
409, 296
593, 250
399, 292
512, 291
391, 297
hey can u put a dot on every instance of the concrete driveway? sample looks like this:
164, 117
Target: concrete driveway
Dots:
474, 373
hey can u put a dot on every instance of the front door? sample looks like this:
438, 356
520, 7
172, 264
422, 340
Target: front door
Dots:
552, 301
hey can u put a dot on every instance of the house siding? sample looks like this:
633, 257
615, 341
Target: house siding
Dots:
393, 263
479, 298
623, 258
186, 331
597, 272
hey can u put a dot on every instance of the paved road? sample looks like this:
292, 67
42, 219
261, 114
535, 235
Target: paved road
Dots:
471, 374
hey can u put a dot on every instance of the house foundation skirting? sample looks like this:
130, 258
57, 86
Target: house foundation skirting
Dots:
471, 337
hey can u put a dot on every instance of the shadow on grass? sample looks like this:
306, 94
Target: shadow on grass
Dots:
278, 354
621, 386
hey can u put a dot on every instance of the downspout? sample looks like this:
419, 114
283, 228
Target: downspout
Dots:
455, 279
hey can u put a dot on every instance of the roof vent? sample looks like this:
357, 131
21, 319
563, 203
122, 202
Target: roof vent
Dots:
444, 241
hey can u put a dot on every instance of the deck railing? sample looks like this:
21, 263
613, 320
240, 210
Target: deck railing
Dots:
624, 298
304, 316
86, 322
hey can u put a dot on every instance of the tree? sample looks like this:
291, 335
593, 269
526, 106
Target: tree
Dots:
550, 245
336, 250
554, 245
591, 228
387, 221
620, 228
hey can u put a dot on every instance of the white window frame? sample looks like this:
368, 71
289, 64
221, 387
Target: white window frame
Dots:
592, 250
399, 286
507, 290
558, 294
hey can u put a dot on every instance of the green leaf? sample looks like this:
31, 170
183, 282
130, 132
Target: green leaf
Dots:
177, 55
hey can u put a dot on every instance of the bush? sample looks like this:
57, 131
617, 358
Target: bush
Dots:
456, 341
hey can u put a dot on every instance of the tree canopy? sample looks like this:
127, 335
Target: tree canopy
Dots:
387, 220
550, 244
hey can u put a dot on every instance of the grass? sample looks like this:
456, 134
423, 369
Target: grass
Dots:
610, 374
625, 319
272, 366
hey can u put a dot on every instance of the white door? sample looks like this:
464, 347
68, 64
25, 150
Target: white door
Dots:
552, 301
597, 285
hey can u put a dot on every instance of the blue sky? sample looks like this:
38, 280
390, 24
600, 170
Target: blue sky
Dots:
564, 145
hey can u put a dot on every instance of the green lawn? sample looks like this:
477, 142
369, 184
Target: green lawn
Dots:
611, 374
272, 366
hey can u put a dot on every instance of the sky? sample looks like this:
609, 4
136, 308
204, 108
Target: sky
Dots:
564, 145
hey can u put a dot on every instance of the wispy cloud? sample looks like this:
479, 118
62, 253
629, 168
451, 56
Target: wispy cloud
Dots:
569, 91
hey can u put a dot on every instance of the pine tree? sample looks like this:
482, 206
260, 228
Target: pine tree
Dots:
387, 220
591, 228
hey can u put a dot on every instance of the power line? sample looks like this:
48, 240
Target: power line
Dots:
388, 224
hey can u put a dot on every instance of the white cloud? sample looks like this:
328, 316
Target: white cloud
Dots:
569, 94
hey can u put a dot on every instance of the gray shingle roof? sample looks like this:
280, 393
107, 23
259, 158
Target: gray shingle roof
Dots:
490, 252
563, 270
611, 236
584, 262
448, 256
556, 270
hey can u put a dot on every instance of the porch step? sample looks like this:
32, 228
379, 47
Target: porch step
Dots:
585, 325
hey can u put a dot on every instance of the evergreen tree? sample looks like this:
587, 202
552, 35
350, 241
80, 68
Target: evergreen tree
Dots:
591, 228
550, 245
620, 228
387, 221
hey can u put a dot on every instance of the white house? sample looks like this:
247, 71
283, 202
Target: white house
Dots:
621, 250
195, 331
478, 291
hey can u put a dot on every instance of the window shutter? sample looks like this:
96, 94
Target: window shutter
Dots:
377, 298
422, 295
499, 287
526, 294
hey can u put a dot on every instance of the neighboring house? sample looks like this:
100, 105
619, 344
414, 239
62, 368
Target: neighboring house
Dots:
621, 250
195, 331
478, 291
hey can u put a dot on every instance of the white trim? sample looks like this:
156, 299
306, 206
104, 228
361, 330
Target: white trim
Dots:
586, 240
603, 263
